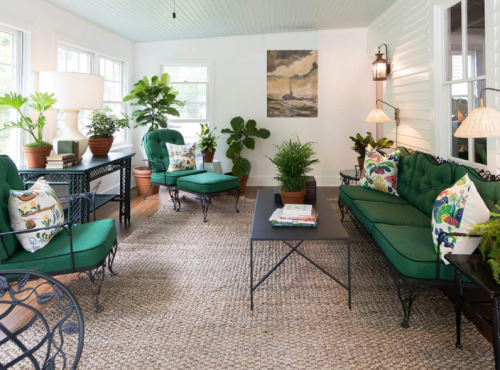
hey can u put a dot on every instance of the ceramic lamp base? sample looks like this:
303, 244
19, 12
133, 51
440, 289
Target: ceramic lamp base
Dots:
70, 132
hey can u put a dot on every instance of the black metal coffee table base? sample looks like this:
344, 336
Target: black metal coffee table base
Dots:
294, 249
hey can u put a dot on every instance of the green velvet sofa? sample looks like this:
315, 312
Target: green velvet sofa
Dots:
70, 251
401, 226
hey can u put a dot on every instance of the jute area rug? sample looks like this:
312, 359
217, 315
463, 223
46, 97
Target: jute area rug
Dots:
181, 301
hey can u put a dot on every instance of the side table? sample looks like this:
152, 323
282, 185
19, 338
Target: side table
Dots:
214, 167
479, 273
350, 177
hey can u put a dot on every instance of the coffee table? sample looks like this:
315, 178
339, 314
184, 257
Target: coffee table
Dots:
329, 229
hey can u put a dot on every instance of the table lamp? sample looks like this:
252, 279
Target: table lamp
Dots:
73, 91
481, 122
379, 116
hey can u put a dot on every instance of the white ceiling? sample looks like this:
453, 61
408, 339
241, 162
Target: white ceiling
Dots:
151, 20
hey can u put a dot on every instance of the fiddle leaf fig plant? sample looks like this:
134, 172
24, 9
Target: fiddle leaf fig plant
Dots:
156, 99
242, 135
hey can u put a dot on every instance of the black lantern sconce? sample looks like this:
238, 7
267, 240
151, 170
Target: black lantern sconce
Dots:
380, 66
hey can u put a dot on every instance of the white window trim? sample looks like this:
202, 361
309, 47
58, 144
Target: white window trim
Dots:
210, 88
127, 143
23, 53
442, 91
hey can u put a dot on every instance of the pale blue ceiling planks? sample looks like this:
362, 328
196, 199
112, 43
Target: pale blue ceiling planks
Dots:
151, 20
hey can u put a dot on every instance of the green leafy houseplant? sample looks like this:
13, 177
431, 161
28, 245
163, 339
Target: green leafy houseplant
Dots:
37, 151
208, 142
242, 135
360, 143
157, 100
294, 161
490, 243
104, 124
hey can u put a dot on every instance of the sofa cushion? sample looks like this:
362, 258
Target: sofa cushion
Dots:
380, 172
9, 179
181, 157
56, 257
489, 190
411, 251
392, 214
351, 193
429, 180
172, 177
207, 183
156, 149
406, 170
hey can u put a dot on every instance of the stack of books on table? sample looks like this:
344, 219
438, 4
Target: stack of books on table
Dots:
66, 156
295, 215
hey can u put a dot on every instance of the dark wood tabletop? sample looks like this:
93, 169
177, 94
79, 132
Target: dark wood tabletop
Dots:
329, 226
477, 270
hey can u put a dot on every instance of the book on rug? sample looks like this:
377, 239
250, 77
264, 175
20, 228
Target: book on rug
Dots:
297, 210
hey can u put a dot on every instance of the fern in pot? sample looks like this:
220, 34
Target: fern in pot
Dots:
294, 160
104, 124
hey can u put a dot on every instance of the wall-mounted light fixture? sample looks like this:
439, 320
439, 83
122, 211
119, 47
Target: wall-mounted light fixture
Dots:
379, 116
481, 122
380, 66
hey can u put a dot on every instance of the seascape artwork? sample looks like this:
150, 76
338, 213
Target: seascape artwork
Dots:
292, 83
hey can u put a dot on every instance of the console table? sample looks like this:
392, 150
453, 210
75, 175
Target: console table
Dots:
78, 179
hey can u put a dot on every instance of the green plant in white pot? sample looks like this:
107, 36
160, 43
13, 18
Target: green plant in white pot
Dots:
294, 161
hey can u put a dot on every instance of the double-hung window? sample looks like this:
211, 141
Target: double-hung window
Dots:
113, 72
465, 75
11, 79
192, 81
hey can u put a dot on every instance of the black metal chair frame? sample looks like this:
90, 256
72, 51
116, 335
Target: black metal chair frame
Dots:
408, 288
18, 294
95, 273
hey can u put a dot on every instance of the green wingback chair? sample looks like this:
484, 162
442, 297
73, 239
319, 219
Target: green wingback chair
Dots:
70, 251
156, 150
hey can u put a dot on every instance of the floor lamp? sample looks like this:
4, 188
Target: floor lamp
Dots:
379, 116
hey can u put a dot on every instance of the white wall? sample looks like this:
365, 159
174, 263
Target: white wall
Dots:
47, 25
346, 93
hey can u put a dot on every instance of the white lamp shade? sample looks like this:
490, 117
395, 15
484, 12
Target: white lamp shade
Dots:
481, 122
74, 90
377, 116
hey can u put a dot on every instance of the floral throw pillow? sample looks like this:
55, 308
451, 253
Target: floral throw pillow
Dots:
181, 157
32, 209
380, 172
455, 209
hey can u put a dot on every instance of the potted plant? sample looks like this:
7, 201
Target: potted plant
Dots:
490, 244
294, 161
37, 151
103, 126
241, 135
208, 142
155, 100
360, 144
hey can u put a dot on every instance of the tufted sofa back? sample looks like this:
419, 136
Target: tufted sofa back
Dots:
489, 190
406, 170
9, 179
156, 150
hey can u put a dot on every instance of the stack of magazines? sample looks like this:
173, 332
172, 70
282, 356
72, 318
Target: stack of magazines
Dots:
295, 215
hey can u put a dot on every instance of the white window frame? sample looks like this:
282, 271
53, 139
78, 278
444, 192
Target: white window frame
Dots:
210, 88
22, 72
94, 69
91, 55
442, 99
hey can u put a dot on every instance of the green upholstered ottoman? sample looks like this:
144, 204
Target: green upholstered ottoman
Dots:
206, 185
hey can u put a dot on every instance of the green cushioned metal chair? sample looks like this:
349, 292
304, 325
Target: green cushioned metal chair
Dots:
87, 249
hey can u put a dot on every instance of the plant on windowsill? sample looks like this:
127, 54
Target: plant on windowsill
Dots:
155, 100
37, 151
241, 135
490, 244
208, 142
360, 144
103, 126
294, 161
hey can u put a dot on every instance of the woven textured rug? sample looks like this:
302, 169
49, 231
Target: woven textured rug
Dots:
181, 301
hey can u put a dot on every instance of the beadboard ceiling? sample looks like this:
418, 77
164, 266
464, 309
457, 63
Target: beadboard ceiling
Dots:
151, 20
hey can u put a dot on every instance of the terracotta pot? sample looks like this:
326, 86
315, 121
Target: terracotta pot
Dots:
100, 146
37, 156
361, 162
209, 158
143, 180
243, 182
293, 197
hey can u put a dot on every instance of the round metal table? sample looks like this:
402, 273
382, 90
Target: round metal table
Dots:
350, 177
